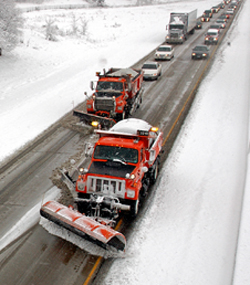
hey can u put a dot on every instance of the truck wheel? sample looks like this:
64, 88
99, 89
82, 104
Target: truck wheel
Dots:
82, 207
155, 172
122, 116
134, 208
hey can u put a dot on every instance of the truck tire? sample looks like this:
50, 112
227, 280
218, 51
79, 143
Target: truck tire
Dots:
134, 208
122, 116
155, 172
82, 207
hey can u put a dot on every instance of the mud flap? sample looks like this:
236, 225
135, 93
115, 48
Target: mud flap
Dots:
83, 226
89, 118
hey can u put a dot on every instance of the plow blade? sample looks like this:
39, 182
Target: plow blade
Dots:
83, 226
89, 118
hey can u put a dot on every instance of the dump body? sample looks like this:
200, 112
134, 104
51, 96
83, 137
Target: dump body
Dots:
180, 25
116, 93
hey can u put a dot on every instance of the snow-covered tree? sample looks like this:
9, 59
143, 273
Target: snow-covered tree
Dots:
10, 23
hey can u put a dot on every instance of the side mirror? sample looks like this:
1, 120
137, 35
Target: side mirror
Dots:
86, 94
151, 155
88, 149
92, 85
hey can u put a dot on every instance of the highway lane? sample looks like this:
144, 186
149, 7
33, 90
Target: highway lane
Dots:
39, 258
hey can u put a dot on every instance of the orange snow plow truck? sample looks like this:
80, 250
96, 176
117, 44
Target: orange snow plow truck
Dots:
118, 94
124, 163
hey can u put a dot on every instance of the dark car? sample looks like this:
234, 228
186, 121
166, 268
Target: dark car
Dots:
216, 26
223, 17
222, 22
0, 51
200, 52
233, 5
207, 14
226, 14
222, 5
216, 9
198, 25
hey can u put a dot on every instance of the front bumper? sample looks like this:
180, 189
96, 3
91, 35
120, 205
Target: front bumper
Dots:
150, 77
163, 57
199, 56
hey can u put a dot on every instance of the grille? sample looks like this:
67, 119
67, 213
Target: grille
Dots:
174, 35
104, 104
106, 186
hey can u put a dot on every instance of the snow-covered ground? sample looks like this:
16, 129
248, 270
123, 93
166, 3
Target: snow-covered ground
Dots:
189, 235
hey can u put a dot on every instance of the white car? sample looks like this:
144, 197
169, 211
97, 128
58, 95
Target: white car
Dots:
151, 69
164, 52
230, 11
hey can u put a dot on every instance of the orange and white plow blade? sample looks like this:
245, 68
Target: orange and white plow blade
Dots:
82, 225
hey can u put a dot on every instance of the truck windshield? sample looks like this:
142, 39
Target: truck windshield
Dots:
176, 27
107, 94
116, 153
106, 85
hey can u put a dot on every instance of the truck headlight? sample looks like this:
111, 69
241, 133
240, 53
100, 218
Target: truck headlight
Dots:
81, 185
130, 193
89, 106
130, 176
